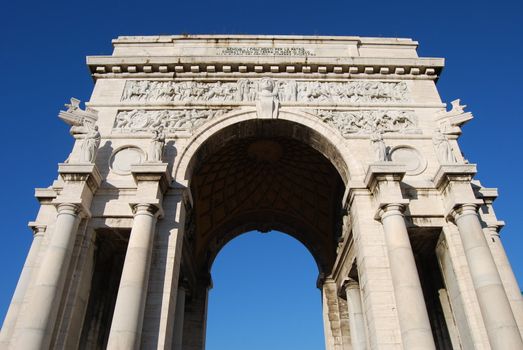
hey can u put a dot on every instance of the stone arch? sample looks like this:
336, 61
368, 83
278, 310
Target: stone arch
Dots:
309, 182
336, 149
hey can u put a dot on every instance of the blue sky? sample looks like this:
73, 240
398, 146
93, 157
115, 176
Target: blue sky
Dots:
42, 56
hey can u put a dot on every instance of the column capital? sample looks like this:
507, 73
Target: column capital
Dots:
37, 228
390, 209
350, 283
68, 208
144, 209
461, 210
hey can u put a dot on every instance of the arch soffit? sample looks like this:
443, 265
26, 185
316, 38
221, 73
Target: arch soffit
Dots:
353, 169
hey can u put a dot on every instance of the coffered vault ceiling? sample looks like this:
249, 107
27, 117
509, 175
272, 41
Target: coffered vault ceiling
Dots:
266, 182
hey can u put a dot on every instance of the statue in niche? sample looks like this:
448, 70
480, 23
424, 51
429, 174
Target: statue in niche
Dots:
90, 144
157, 144
443, 148
380, 149
268, 104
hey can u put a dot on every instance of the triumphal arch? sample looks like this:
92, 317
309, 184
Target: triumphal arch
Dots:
340, 142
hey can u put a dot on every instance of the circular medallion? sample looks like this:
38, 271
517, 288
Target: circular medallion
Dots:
410, 157
123, 158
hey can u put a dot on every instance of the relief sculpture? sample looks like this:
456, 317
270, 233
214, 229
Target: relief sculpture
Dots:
170, 120
248, 90
370, 121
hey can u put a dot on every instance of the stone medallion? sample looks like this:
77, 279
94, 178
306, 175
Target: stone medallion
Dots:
123, 158
409, 156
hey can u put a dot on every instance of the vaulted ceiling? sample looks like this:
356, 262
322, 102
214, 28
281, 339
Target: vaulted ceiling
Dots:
263, 180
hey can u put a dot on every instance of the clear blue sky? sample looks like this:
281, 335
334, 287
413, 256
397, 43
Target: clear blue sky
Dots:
42, 59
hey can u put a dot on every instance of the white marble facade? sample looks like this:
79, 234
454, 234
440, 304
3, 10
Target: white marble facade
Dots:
120, 238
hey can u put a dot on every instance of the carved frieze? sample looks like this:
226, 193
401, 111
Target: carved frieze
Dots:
248, 90
369, 121
171, 120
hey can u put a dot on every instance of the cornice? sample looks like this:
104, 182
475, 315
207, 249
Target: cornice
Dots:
208, 66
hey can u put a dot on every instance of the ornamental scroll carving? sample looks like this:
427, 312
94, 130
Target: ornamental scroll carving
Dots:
170, 120
369, 121
248, 90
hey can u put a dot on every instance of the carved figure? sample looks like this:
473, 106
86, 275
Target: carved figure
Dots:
380, 149
366, 122
443, 148
246, 90
172, 120
90, 145
156, 146
290, 91
268, 105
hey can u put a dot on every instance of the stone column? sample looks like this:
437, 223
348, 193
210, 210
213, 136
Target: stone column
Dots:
36, 326
383, 179
152, 180
178, 319
507, 275
499, 320
22, 286
357, 322
412, 311
461, 206
126, 326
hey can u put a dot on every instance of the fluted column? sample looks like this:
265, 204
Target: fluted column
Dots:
507, 275
497, 314
126, 327
356, 320
384, 181
178, 319
22, 286
412, 311
36, 324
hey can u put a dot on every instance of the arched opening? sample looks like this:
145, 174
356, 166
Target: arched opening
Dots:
264, 295
259, 175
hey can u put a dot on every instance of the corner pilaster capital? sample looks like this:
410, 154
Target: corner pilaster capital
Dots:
454, 183
384, 182
152, 181
88, 173
152, 172
454, 172
383, 172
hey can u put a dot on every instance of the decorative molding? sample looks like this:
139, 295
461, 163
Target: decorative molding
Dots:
173, 120
248, 90
369, 121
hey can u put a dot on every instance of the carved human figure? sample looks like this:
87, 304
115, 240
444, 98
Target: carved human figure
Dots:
380, 149
443, 148
157, 144
291, 90
268, 104
90, 145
